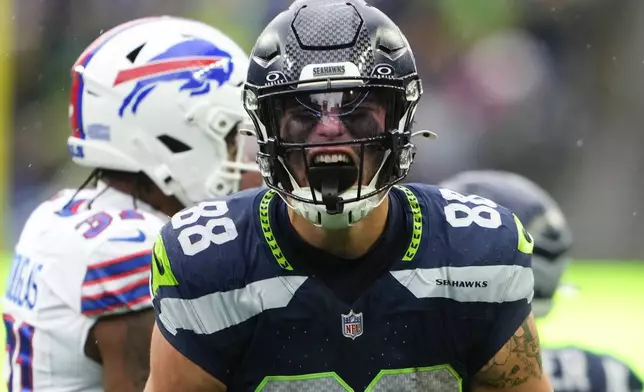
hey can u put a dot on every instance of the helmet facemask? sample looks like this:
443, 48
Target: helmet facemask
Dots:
334, 153
228, 177
338, 78
226, 144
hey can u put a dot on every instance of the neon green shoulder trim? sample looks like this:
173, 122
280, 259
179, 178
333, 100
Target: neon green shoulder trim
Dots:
162, 274
526, 244
417, 230
265, 222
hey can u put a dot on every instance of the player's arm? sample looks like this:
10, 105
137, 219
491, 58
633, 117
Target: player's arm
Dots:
171, 371
194, 345
510, 354
123, 346
115, 293
517, 365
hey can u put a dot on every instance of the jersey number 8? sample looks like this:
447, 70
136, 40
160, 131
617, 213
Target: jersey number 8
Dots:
459, 214
196, 238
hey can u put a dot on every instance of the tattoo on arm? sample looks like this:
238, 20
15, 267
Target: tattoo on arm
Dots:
517, 361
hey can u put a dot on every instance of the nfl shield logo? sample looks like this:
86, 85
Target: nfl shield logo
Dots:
352, 325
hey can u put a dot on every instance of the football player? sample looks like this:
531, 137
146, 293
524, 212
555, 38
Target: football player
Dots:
335, 279
571, 369
155, 105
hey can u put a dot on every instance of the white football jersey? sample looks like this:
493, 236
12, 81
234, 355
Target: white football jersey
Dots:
73, 264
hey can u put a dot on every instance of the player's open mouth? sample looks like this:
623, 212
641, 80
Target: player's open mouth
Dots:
332, 170
331, 157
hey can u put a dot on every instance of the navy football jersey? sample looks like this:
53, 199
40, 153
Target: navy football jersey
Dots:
234, 295
573, 369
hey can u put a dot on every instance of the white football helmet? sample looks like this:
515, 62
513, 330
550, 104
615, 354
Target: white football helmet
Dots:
161, 96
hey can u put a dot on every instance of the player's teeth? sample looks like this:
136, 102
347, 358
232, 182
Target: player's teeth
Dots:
331, 158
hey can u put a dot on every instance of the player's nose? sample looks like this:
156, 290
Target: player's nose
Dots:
329, 128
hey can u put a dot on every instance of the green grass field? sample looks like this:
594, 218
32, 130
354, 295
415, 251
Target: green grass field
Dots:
604, 313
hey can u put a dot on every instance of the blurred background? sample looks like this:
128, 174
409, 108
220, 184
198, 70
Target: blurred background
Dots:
551, 89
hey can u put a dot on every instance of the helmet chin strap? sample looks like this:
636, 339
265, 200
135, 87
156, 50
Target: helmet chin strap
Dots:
350, 213
331, 181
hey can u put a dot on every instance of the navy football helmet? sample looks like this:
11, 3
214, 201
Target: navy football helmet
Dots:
540, 215
332, 89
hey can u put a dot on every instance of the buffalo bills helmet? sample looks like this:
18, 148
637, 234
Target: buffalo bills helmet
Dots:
540, 215
162, 96
332, 88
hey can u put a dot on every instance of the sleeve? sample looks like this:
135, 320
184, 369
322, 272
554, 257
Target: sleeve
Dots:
514, 305
117, 275
192, 307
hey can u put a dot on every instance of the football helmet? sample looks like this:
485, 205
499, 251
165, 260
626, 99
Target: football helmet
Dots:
332, 88
162, 96
540, 215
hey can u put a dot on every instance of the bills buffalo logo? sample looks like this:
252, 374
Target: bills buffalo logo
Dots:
196, 62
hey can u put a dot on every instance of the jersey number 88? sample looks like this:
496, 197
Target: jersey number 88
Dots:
196, 238
459, 214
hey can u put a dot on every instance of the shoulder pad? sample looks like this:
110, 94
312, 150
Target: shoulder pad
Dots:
118, 268
95, 260
202, 268
203, 246
473, 240
477, 229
